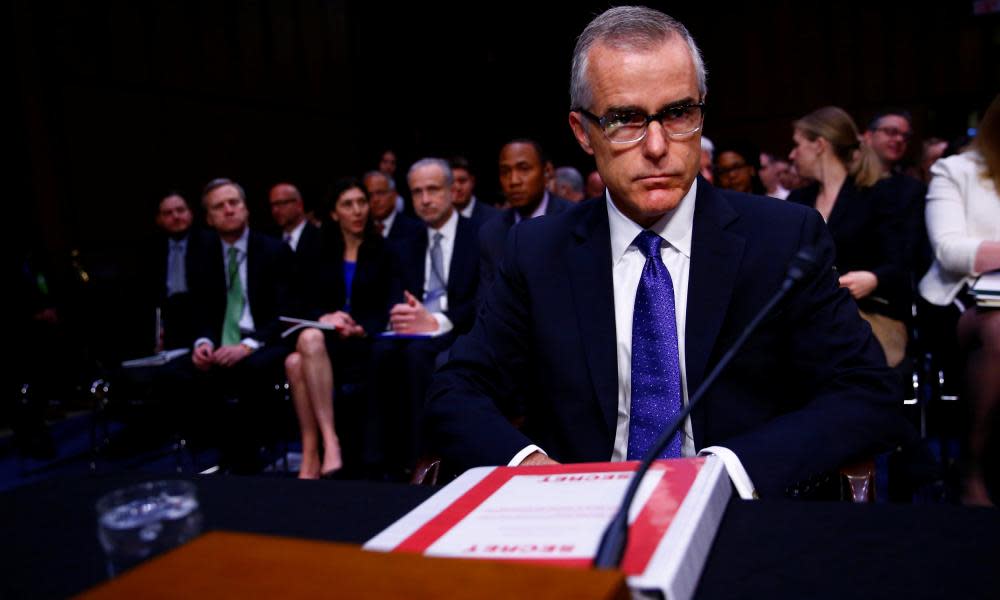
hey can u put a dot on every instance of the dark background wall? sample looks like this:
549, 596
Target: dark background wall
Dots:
117, 101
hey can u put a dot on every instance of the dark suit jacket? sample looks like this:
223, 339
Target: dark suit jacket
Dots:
405, 227
493, 233
269, 270
463, 273
482, 213
808, 391
869, 233
179, 314
371, 290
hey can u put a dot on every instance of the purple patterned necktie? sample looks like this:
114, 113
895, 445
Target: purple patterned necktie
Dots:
656, 371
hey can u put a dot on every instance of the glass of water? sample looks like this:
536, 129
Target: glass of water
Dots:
140, 521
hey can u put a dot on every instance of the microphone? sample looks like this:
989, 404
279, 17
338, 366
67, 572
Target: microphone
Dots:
612, 547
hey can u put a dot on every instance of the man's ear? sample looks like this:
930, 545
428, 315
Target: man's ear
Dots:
580, 132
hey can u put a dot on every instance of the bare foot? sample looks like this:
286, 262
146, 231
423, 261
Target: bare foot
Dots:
331, 460
310, 467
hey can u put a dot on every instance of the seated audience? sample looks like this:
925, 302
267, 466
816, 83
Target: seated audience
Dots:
868, 236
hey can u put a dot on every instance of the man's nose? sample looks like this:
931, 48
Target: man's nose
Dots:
656, 142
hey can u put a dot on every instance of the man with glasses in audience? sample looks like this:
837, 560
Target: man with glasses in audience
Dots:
889, 135
605, 318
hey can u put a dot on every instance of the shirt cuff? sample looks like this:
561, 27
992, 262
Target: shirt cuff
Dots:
444, 324
201, 341
738, 475
251, 343
523, 454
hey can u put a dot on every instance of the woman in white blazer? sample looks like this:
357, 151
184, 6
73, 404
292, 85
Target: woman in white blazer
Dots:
963, 223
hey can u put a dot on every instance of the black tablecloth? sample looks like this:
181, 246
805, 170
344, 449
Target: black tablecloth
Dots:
762, 550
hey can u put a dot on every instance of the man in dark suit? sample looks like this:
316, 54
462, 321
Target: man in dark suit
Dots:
391, 223
524, 172
241, 289
172, 257
463, 194
439, 272
289, 213
605, 317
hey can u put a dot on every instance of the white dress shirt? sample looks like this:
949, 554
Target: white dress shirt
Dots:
447, 232
295, 234
627, 262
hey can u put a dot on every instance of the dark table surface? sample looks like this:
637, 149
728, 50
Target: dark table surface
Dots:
763, 549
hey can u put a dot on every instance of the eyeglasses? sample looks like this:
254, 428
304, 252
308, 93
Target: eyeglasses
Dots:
628, 126
893, 132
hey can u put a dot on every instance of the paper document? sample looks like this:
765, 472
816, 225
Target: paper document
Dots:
556, 515
160, 358
298, 324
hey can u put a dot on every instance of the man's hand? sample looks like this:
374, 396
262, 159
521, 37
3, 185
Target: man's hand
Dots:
202, 357
227, 356
859, 283
536, 459
412, 317
345, 324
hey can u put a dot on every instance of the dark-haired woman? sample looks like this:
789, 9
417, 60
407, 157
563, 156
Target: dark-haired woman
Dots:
349, 288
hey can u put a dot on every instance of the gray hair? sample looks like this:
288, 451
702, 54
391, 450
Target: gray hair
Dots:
634, 28
219, 182
570, 177
370, 174
433, 162
708, 146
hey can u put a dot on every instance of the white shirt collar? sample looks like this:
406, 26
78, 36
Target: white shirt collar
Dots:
539, 210
447, 230
240, 244
675, 226
471, 206
296, 234
387, 223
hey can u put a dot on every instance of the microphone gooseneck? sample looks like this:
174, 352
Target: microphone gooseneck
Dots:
611, 550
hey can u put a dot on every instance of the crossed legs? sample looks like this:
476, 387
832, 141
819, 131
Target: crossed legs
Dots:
310, 376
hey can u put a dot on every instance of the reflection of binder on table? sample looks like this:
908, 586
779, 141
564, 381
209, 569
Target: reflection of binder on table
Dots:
298, 324
987, 290
160, 358
556, 515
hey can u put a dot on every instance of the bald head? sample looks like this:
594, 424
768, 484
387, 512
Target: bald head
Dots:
287, 208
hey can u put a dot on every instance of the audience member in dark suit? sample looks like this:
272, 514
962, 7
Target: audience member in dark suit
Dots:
241, 289
868, 234
580, 319
524, 172
888, 135
289, 213
172, 257
568, 183
464, 197
392, 224
351, 290
439, 273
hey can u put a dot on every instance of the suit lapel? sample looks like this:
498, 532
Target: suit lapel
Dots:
460, 257
715, 262
589, 261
